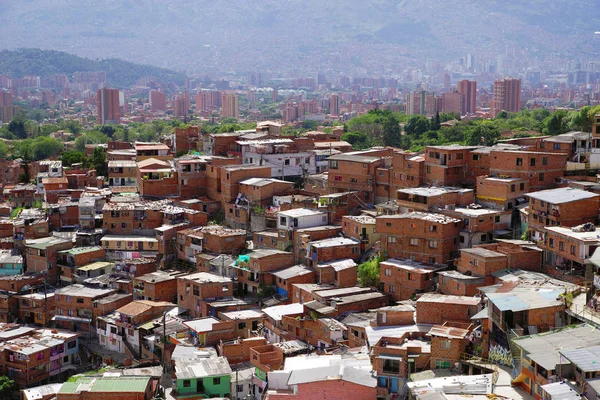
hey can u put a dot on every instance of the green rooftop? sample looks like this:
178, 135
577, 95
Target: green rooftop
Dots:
106, 385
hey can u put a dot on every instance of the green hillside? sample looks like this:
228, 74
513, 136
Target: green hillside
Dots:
46, 63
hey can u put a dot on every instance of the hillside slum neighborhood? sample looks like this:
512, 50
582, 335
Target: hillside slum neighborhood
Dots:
261, 266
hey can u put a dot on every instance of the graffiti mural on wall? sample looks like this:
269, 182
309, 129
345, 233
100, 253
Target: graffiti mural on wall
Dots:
500, 355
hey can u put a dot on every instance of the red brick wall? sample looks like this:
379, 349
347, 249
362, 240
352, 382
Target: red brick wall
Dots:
330, 390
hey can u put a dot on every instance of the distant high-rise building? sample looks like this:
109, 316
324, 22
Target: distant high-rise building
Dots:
5, 98
181, 105
470, 62
107, 103
230, 108
334, 104
507, 96
469, 91
452, 102
420, 102
158, 101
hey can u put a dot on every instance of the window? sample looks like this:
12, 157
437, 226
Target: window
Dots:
556, 146
522, 186
333, 164
391, 366
433, 244
196, 290
446, 345
428, 168
432, 228
414, 242
475, 157
217, 380
459, 156
544, 160
388, 272
224, 288
79, 300
431, 260
519, 161
440, 364
411, 276
541, 178
337, 178
532, 162
497, 219
391, 239
239, 388
187, 383
573, 249
551, 242
483, 238
413, 226
561, 246
353, 180
392, 289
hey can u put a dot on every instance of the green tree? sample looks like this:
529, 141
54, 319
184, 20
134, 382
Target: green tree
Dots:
392, 136
17, 125
71, 126
368, 272
71, 157
8, 388
3, 149
44, 146
484, 133
98, 161
556, 123
358, 140
90, 137
416, 125
436, 122
47, 129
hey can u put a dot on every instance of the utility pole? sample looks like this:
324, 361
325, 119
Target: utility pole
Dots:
164, 321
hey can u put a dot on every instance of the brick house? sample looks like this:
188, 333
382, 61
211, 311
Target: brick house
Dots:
448, 343
75, 308
157, 151
286, 277
157, 178
401, 279
69, 260
186, 139
501, 193
36, 308
408, 170
395, 358
325, 250
333, 380
355, 173
567, 250
446, 165
194, 290
565, 207
523, 305
193, 178
41, 255
232, 175
260, 191
437, 309
541, 170
212, 239
458, 284
302, 237
255, 268
340, 273
480, 225
432, 198
123, 330
423, 237
122, 173
157, 286
265, 239
55, 188
361, 228
210, 331
481, 262
299, 218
